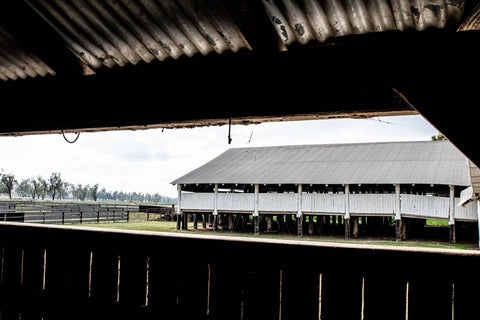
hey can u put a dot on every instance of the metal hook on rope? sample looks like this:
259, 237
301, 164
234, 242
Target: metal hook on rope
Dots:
74, 140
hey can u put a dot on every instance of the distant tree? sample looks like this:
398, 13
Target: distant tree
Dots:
55, 184
67, 187
80, 192
7, 183
42, 187
93, 192
24, 188
439, 137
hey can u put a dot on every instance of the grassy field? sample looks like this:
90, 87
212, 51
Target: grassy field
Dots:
166, 226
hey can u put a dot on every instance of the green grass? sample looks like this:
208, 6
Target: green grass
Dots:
136, 225
437, 223
165, 226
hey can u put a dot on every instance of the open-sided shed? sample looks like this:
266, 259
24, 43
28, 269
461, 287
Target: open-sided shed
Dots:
414, 179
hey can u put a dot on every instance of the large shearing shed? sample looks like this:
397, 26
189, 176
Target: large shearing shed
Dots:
420, 179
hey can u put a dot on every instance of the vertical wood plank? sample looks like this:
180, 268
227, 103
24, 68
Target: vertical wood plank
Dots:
33, 298
384, 296
226, 290
466, 293
261, 295
11, 282
300, 293
341, 289
430, 287
66, 281
104, 279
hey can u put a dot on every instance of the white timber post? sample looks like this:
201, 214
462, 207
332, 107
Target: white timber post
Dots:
299, 212
256, 229
347, 212
179, 205
451, 216
478, 220
398, 215
215, 204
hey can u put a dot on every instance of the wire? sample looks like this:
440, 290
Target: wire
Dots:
74, 140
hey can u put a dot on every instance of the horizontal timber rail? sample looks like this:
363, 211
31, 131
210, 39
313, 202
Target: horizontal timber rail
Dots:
56, 272
64, 212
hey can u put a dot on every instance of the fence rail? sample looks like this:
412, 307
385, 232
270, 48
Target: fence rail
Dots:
64, 212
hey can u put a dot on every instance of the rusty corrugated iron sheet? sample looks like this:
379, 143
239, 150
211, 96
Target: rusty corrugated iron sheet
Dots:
108, 33
307, 20
112, 32
17, 62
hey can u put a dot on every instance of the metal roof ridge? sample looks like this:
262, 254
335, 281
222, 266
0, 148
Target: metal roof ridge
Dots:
337, 144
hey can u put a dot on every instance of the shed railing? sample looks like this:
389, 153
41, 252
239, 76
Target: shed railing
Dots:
412, 206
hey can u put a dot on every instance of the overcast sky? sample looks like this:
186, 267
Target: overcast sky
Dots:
148, 160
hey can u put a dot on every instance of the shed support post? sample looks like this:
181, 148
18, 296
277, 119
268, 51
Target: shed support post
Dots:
299, 212
347, 212
478, 220
269, 222
451, 216
310, 224
185, 221
215, 210
398, 215
179, 206
256, 228
356, 229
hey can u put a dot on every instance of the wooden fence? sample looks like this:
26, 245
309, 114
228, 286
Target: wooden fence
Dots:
60, 272
64, 212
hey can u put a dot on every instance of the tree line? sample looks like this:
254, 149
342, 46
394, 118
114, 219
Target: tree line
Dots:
55, 187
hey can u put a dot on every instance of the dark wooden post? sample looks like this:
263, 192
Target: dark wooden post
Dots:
179, 210
398, 215
299, 212
269, 222
185, 221
347, 211
355, 227
310, 224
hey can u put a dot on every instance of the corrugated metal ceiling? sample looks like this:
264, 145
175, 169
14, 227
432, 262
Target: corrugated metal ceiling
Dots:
108, 33
17, 62
126, 32
308, 20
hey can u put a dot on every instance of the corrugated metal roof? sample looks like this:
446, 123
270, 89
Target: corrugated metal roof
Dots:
420, 162
17, 62
107, 33
303, 21
110, 32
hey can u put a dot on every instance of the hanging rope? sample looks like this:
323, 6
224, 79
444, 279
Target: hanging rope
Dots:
229, 130
74, 140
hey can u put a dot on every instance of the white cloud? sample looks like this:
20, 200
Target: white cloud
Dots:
146, 161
